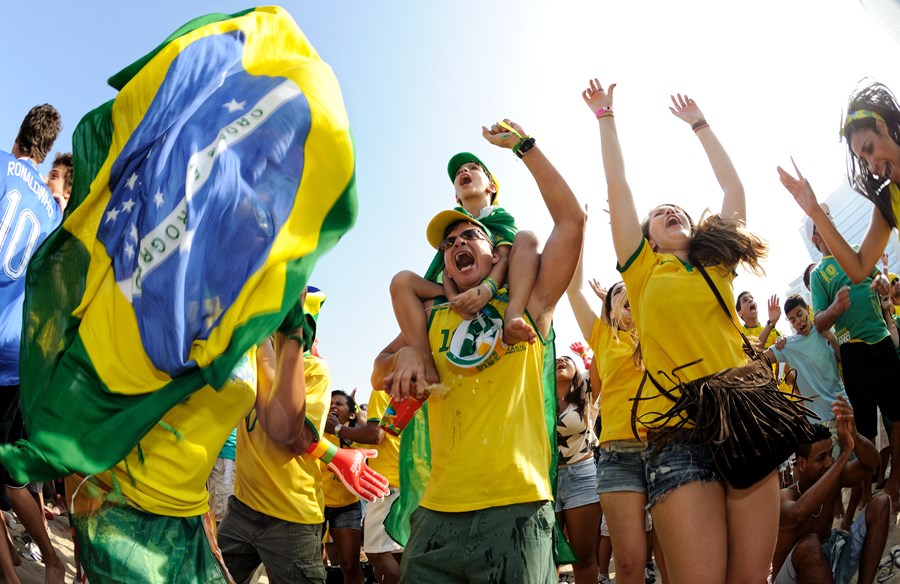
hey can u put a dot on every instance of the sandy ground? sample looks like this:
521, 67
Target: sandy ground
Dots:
31, 572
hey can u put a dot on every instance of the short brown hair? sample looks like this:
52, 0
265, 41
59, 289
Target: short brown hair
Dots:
38, 131
64, 159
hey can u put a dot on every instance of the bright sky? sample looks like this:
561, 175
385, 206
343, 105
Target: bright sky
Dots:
421, 78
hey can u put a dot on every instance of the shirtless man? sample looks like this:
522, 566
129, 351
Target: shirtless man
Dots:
808, 549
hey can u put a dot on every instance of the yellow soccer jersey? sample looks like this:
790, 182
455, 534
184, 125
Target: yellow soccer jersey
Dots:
336, 494
273, 480
169, 471
753, 333
684, 332
387, 461
619, 381
489, 437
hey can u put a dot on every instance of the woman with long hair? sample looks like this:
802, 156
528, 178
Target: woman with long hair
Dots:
577, 504
709, 531
621, 476
872, 131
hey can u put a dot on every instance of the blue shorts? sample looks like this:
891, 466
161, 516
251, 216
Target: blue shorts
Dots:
842, 552
576, 485
676, 462
621, 470
347, 517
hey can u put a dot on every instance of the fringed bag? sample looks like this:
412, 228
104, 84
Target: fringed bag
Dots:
749, 425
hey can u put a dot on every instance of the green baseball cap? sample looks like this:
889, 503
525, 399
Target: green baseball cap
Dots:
461, 158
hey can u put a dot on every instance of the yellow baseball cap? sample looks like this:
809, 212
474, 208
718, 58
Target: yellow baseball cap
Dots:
439, 224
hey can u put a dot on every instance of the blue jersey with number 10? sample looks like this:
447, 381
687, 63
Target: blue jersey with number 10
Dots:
28, 213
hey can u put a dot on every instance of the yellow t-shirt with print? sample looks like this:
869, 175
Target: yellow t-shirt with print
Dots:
171, 478
269, 477
684, 333
387, 463
489, 437
619, 381
336, 494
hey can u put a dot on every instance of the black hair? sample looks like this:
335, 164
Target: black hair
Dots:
793, 301
820, 433
806, 274
580, 388
351, 403
877, 98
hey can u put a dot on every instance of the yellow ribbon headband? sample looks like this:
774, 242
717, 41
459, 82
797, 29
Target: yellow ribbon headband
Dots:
860, 114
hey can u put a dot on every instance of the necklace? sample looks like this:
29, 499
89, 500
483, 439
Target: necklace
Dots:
815, 515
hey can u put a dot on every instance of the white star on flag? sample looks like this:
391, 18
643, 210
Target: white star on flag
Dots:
234, 105
111, 215
131, 180
129, 251
133, 234
128, 205
158, 199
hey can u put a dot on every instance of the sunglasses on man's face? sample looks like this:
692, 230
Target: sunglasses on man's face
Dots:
468, 235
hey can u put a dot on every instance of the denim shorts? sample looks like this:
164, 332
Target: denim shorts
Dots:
674, 463
347, 517
576, 485
621, 471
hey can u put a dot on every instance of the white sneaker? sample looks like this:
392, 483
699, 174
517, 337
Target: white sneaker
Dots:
604, 580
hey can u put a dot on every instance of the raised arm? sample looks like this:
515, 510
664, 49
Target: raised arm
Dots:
734, 204
624, 221
584, 314
867, 457
281, 390
857, 264
560, 255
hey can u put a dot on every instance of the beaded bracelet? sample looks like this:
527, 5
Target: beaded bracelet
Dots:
603, 111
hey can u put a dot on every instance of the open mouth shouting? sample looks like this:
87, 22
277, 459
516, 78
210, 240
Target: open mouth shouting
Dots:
464, 261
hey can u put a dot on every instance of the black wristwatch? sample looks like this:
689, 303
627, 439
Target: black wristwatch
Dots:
524, 147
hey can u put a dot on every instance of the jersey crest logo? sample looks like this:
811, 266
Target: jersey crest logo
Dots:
478, 343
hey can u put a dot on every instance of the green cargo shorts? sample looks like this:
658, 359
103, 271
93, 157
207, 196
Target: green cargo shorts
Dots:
513, 543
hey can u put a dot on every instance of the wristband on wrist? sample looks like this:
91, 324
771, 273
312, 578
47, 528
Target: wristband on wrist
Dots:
697, 126
323, 450
603, 112
522, 148
491, 285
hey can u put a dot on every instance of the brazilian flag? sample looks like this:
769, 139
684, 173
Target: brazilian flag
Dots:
204, 194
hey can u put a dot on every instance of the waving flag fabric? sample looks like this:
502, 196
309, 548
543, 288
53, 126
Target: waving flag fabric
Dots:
204, 194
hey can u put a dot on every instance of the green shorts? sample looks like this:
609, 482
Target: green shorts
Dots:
513, 543
117, 542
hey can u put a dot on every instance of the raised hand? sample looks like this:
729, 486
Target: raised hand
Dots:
881, 285
884, 260
781, 343
846, 425
686, 109
598, 289
799, 189
596, 97
774, 309
349, 465
503, 137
